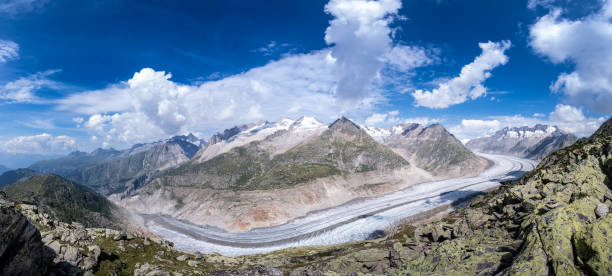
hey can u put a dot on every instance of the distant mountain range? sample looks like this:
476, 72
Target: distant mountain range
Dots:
528, 142
111, 171
4, 169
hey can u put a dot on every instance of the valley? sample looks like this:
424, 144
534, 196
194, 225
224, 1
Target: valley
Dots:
352, 221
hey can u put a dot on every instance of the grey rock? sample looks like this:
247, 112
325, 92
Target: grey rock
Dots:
21, 247
182, 258
602, 210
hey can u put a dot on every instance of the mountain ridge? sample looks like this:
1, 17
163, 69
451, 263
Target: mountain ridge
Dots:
526, 142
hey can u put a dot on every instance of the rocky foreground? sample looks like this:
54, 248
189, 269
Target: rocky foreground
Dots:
553, 221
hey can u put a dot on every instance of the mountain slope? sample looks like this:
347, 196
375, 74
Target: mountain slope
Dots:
526, 142
342, 148
434, 149
16, 175
67, 201
296, 169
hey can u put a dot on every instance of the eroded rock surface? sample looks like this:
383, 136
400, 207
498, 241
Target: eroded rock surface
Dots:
21, 248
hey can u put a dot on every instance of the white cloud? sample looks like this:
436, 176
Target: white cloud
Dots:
378, 118
23, 89
567, 118
44, 143
151, 106
474, 128
16, 6
8, 50
406, 58
572, 119
533, 4
393, 118
270, 48
586, 43
360, 38
469, 83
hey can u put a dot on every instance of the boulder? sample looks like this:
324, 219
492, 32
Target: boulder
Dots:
21, 247
601, 210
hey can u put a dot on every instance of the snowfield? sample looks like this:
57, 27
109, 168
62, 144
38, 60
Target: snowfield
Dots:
352, 221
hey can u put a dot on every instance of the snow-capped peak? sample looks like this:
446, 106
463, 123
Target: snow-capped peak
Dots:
306, 123
379, 134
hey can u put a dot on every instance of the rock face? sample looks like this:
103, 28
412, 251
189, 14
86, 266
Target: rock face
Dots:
526, 142
21, 248
434, 149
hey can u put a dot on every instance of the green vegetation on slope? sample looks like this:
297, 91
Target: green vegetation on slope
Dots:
67, 201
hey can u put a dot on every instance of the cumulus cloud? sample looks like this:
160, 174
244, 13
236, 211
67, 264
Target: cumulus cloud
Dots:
360, 38
23, 89
469, 83
45, 144
341, 80
571, 119
584, 42
568, 118
151, 106
8, 50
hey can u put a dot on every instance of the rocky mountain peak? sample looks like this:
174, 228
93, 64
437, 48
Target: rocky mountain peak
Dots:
345, 126
228, 134
343, 122
604, 130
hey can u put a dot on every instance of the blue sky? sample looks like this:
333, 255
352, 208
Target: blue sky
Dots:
85, 74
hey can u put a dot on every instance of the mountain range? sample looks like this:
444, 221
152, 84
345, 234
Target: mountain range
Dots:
527, 142
111, 171
552, 221
265, 174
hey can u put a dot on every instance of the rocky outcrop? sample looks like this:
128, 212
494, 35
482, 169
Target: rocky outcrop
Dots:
21, 248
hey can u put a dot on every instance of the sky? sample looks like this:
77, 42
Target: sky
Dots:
78, 75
